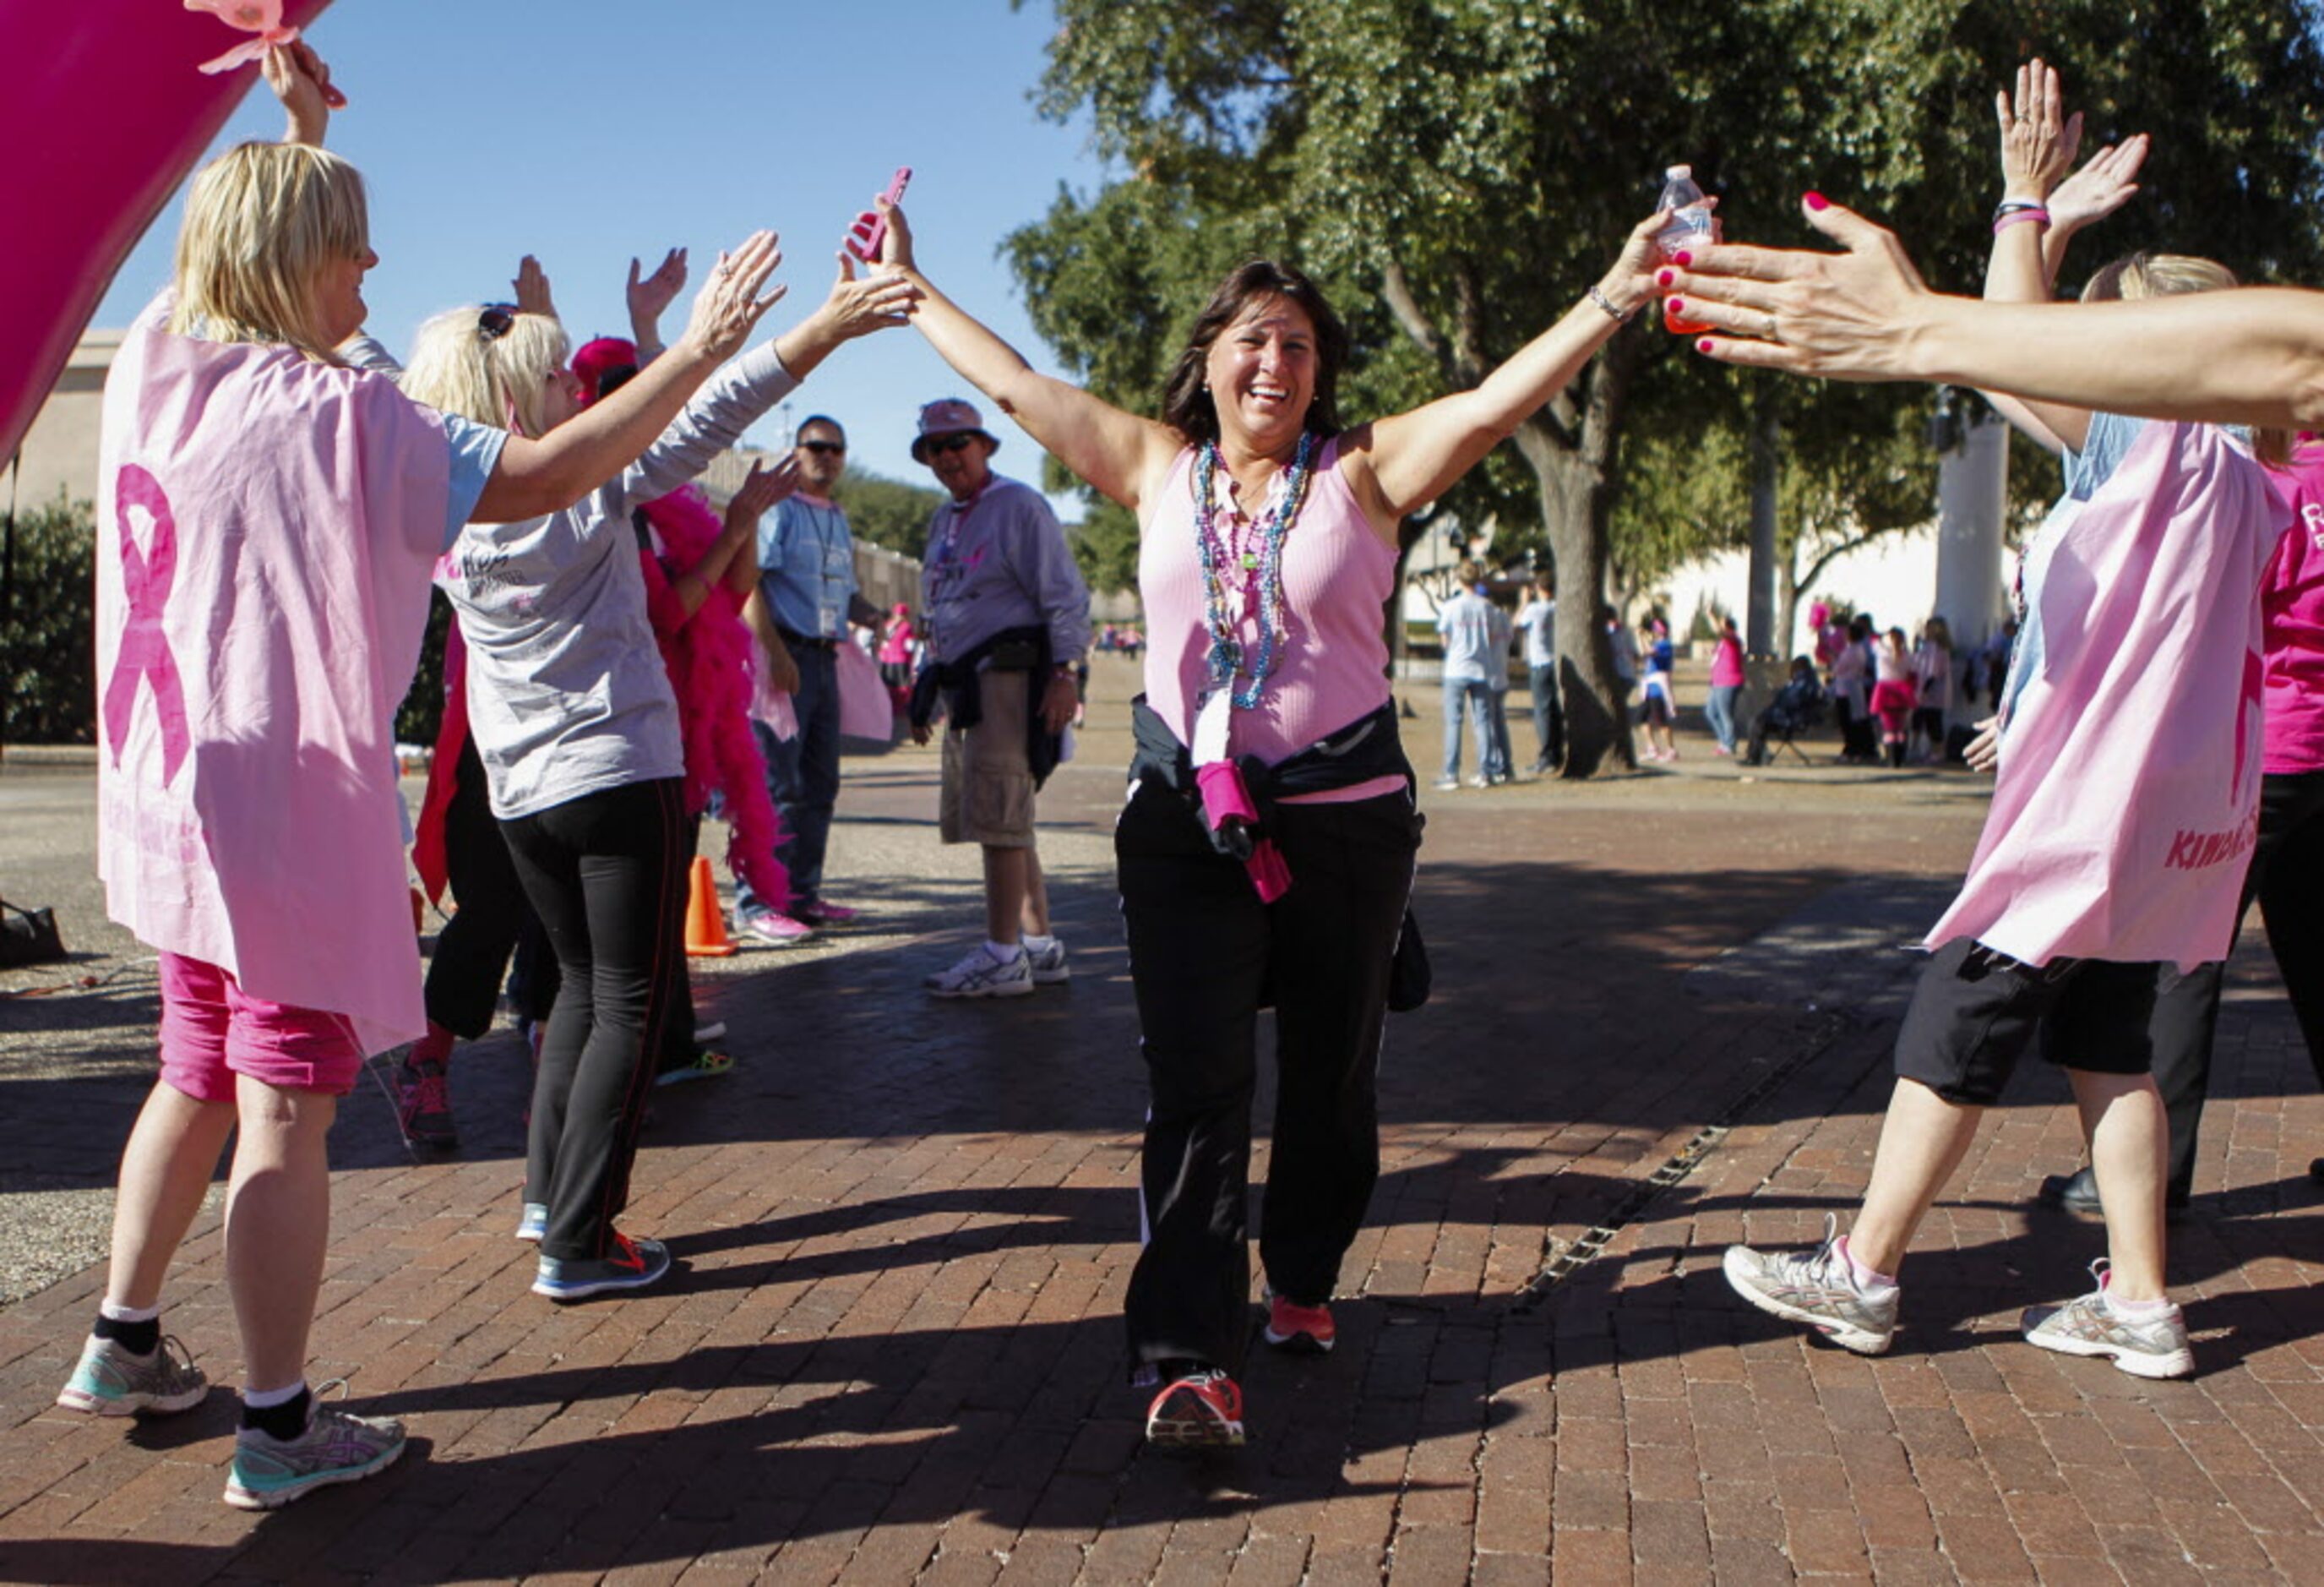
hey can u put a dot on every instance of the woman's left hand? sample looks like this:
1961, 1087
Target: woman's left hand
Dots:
1629, 281
859, 305
2038, 140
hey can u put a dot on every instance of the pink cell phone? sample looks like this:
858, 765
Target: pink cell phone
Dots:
871, 228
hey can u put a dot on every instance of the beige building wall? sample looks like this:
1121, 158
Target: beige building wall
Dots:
59, 455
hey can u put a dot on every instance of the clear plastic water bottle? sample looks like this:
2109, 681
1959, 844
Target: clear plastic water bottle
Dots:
1692, 226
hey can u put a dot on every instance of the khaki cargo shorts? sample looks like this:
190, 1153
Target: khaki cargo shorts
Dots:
988, 783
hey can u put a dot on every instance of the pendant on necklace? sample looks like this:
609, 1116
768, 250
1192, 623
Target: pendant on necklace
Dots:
1250, 562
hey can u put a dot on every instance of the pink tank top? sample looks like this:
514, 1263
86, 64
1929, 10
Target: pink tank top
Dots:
1337, 577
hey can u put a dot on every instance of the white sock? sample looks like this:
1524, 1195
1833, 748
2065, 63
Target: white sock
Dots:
1871, 1283
1002, 952
1035, 943
262, 1399
2136, 1310
121, 1314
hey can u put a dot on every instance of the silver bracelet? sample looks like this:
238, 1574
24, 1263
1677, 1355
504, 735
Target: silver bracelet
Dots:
1599, 296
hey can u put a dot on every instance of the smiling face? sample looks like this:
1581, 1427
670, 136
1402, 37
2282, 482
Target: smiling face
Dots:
961, 463
1261, 371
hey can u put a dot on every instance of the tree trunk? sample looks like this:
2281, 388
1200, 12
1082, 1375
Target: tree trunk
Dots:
1576, 503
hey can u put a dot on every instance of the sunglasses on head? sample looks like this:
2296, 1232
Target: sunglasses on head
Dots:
822, 448
493, 319
950, 443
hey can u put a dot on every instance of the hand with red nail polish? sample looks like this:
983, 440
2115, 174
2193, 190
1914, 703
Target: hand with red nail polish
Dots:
1855, 315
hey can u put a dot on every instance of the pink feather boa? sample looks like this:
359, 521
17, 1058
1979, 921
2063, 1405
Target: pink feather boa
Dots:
708, 657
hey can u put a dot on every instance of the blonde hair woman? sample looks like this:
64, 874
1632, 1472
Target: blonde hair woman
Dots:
579, 733
268, 521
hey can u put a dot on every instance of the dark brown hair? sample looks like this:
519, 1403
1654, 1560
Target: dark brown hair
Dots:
1186, 405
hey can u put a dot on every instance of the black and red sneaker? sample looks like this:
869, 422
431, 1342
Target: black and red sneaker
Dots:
1306, 1330
1202, 1410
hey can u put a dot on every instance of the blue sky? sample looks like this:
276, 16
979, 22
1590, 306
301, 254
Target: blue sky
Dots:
585, 133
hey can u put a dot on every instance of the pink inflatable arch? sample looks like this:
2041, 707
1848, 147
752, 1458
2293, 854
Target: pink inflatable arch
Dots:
112, 90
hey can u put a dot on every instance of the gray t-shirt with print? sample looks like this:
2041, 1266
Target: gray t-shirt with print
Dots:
567, 692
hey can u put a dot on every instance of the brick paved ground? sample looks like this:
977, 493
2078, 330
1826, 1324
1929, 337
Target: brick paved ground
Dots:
1661, 1018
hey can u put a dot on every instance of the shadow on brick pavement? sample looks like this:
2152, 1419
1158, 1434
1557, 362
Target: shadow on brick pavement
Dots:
894, 1352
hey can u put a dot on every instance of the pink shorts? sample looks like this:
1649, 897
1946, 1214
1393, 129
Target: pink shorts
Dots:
212, 1030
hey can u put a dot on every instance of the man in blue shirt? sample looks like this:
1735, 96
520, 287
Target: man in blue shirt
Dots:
806, 585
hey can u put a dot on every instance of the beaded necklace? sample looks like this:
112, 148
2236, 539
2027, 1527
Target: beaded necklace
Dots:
1261, 568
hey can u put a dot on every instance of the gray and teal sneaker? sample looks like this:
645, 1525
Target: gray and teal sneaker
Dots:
1816, 1289
337, 1446
2144, 1347
110, 1381
631, 1264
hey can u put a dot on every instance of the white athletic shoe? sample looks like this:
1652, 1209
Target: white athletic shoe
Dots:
980, 974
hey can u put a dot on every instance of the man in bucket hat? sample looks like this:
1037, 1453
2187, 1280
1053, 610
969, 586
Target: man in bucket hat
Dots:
1008, 618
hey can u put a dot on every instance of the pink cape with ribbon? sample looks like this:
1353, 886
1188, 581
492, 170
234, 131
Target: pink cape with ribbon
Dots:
266, 528
2128, 790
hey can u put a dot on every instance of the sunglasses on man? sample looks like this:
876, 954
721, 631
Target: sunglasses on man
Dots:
824, 448
950, 443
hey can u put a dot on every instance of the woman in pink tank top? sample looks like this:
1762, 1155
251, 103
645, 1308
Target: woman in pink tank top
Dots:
1266, 852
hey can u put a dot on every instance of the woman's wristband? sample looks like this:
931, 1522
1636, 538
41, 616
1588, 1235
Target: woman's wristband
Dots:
2010, 211
1619, 316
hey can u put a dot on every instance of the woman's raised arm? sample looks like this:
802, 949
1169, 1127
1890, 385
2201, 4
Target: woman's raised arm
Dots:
536, 476
1412, 458
1116, 453
2251, 357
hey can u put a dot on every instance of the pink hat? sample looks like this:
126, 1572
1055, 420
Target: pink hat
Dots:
599, 358
949, 416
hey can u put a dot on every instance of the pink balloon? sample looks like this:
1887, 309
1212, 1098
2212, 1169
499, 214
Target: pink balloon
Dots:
111, 95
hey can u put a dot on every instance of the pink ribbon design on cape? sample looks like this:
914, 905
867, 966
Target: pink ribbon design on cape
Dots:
1227, 798
263, 17
144, 648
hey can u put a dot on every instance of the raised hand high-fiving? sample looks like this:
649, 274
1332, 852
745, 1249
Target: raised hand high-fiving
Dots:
729, 308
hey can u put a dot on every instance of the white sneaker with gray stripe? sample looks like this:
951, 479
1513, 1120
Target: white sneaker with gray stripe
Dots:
980, 974
2153, 1346
1817, 1289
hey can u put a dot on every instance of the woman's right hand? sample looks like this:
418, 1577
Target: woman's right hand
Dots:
2038, 140
729, 308
2105, 184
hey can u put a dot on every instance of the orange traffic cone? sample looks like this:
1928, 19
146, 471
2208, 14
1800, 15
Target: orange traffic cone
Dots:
706, 923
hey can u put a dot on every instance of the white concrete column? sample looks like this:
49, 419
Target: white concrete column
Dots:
1972, 500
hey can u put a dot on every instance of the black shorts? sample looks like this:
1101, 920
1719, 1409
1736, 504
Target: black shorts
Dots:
1975, 1012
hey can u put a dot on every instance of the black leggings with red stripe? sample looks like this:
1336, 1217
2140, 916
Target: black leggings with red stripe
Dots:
606, 874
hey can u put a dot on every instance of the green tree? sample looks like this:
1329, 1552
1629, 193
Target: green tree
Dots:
1456, 171
888, 511
47, 690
